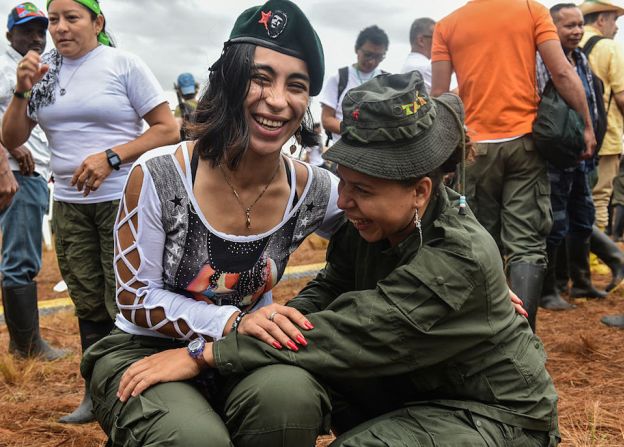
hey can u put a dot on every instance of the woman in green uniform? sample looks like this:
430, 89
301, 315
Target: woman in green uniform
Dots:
414, 335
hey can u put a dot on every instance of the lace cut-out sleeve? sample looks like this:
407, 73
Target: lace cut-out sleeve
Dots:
143, 300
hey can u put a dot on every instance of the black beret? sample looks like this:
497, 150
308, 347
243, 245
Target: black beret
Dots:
281, 26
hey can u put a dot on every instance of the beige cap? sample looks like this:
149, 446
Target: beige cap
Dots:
592, 6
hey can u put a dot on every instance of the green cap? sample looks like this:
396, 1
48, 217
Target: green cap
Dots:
281, 26
392, 129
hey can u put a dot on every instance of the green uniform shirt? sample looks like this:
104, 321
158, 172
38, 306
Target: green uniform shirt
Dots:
417, 324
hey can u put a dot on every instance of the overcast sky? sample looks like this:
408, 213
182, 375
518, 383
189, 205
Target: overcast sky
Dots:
173, 36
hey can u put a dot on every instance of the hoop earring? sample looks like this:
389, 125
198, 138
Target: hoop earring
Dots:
418, 227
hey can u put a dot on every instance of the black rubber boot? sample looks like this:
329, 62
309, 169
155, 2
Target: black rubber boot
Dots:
550, 295
526, 282
618, 223
609, 253
22, 319
90, 333
614, 321
578, 259
562, 273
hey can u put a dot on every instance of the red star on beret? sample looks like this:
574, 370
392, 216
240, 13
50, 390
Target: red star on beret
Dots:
265, 19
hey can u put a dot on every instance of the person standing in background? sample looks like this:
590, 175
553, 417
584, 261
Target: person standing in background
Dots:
93, 144
421, 39
371, 46
186, 91
507, 184
20, 222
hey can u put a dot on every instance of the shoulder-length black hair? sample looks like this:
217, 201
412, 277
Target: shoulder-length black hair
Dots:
219, 123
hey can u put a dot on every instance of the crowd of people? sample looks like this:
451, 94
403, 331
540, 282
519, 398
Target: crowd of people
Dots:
436, 204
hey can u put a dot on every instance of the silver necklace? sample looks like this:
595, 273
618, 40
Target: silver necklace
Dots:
63, 90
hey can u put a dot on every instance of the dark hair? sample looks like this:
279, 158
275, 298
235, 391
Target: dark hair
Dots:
420, 27
372, 34
554, 11
448, 167
593, 17
219, 122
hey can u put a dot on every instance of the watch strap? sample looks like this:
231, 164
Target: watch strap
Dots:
22, 95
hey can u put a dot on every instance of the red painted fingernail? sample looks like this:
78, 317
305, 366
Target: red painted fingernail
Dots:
277, 345
301, 340
292, 346
308, 325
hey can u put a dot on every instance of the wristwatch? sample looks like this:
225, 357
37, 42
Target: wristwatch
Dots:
113, 159
22, 95
196, 350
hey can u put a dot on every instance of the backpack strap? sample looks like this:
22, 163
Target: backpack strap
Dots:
343, 80
587, 48
591, 42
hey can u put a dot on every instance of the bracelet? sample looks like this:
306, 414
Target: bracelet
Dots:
237, 320
22, 95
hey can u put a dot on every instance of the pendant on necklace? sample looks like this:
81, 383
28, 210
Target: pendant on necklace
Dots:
248, 218
63, 91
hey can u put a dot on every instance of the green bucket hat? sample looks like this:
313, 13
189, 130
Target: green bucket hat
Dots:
392, 129
281, 26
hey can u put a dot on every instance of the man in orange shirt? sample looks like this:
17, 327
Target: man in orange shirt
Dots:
507, 185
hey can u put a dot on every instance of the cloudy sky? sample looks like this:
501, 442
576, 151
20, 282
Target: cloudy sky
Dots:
173, 36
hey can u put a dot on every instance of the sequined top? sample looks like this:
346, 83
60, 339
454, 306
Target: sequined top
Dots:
195, 274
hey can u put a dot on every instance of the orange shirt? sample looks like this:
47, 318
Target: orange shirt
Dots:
491, 45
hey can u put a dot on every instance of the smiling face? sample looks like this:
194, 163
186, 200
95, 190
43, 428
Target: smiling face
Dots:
72, 28
569, 22
28, 36
277, 99
381, 209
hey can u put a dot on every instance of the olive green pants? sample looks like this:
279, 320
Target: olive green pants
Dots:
508, 190
432, 426
84, 250
277, 405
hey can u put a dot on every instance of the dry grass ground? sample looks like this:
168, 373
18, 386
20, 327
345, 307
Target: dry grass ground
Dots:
586, 360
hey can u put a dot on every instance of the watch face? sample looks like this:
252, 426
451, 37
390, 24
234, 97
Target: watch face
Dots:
196, 347
195, 344
113, 159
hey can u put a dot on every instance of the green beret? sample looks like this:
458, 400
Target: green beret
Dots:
281, 26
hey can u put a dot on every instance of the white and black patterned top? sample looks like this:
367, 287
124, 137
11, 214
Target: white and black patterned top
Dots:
198, 274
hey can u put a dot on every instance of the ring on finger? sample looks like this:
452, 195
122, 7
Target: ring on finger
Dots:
21, 65
272, 315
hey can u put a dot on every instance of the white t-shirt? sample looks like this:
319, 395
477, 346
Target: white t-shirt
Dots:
419, 62
108, 91
329, 94
37, 143
315, 154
